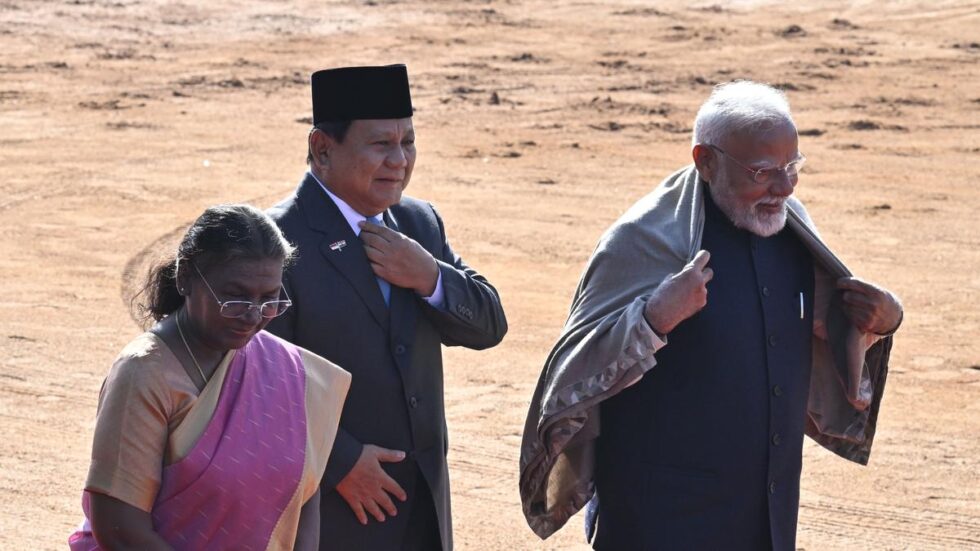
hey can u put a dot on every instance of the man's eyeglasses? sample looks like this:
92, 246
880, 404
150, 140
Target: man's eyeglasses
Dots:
241, 308
767, 175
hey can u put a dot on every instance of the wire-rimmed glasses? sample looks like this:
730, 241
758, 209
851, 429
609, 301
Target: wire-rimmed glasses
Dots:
766, 175
241, 308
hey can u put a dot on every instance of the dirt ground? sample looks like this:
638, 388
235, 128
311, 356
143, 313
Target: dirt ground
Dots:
538, 123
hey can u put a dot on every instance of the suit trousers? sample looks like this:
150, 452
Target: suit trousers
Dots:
422, 533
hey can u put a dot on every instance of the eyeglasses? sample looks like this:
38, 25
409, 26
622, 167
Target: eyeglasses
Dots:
241, 308
767, 175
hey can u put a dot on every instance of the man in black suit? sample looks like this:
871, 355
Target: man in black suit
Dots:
377, 289
711, 330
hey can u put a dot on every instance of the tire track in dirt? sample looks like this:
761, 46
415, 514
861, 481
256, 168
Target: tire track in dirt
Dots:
880, 526
485, 470
490, 462
138, 265
482, 462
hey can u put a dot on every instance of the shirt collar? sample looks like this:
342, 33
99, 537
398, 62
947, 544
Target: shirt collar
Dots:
352, 216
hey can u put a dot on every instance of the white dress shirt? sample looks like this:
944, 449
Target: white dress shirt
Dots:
354, 218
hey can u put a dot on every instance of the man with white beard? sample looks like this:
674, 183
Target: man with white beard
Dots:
711, 330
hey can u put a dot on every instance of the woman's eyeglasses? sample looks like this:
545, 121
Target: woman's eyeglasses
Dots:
241, 308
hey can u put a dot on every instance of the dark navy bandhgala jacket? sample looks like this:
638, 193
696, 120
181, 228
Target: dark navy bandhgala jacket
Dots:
393, 352
704, 452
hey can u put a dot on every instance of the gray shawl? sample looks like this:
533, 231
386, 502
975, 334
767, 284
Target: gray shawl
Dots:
606, 345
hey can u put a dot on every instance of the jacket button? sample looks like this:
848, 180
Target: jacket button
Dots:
400, 349
765, 291
772, 487
413, 401
776, 439
772, 340
777, 390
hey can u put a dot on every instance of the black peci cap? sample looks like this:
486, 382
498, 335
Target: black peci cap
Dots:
351, 93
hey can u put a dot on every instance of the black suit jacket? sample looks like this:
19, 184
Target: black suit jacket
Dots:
393, 352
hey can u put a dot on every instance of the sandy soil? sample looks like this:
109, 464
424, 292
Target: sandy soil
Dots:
539, 122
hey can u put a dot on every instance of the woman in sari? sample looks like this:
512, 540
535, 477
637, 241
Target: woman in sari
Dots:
211, 433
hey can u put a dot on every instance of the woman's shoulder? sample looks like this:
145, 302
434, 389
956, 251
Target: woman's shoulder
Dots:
146, 365
143, 353
145, 345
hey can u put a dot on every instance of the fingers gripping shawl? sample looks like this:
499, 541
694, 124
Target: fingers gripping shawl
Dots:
607, 345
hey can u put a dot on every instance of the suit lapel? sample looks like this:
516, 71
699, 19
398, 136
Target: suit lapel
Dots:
341, 247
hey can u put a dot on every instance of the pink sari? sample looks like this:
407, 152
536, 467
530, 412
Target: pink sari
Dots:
233, 487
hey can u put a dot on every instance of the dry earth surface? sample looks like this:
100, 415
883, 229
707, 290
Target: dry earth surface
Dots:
539, 122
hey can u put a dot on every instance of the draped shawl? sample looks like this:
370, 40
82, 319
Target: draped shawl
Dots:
606, 345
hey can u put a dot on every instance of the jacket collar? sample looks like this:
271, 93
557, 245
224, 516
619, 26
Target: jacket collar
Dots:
340, 246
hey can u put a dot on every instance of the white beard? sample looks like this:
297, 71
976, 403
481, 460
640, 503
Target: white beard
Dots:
749, 217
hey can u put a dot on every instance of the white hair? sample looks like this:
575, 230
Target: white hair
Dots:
738, 106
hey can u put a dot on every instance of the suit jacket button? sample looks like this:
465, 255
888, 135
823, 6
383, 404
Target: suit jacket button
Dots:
400, 349
776, 439
772, 487
413, 401
777, 390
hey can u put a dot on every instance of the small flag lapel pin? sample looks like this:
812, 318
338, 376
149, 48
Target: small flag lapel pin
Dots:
338, 245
